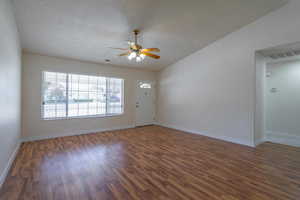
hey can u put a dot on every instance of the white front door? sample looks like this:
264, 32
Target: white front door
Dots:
145, 103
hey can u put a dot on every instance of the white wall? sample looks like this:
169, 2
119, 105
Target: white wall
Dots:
10, 78
282, 108
212, 91
35, 128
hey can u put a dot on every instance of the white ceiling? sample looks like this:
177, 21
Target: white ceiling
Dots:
84, 29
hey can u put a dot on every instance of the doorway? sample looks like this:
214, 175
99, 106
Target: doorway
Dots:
145, 103
277, 111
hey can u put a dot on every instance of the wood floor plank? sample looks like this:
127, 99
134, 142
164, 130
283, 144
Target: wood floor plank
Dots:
151, 162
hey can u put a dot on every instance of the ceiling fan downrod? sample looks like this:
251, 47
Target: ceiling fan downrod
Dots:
136, 32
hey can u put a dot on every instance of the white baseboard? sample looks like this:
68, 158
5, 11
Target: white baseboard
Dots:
283, 138
81, 132
9, 164
225, 138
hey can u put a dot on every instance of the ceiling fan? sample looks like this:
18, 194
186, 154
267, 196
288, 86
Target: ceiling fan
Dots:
136, 51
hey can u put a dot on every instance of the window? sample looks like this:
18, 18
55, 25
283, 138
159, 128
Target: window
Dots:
73, 95
145, 85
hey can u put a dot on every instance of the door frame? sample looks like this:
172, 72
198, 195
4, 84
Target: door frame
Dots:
259, 132
153, 87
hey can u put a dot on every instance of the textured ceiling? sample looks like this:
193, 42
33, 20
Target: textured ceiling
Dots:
84, 29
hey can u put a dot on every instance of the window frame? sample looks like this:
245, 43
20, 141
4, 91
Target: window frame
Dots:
67, 96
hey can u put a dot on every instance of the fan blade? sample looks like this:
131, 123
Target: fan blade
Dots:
151, 49
123, 49
125, 54
150, 55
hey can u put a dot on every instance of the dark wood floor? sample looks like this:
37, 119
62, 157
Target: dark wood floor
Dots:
151, 163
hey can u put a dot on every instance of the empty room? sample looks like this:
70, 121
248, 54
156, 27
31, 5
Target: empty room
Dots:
149, 100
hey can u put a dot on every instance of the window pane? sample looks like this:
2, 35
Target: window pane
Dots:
92, 103
115, 96
83, 108
90, 98
83, 83
145, 85
101, 96
73, 82
93, 80
73, 109
54, 95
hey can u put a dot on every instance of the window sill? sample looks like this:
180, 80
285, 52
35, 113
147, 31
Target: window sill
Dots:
82, 117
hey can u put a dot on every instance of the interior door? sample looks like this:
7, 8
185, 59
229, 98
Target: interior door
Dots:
145, 103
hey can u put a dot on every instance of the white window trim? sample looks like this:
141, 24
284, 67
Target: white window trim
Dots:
83, 116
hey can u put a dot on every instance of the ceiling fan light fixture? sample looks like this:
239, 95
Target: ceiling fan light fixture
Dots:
142, 56
139, 59
132, 55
